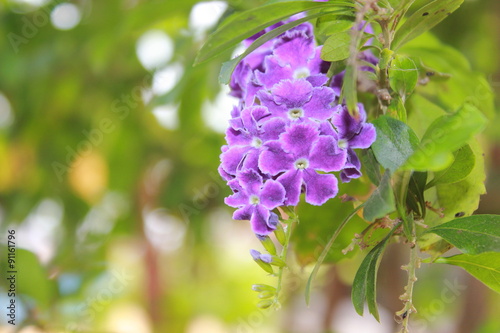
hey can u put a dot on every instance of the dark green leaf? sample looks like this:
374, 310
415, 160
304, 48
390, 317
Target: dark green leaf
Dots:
381, 202
424, 19
472, 234
415, 199
365, 281
403, 76
336, 47
458, 170
485, 267
370, 165
248, 23
325, 252
395, 143
445, 135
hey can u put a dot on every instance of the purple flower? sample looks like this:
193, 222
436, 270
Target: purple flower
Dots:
254, 199
353, 133
298, 99
246, 136
296, 157
295, 56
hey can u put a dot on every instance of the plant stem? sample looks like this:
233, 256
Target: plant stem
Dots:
407, 297
293, 219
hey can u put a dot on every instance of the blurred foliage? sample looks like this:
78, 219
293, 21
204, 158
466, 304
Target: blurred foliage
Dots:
83, 138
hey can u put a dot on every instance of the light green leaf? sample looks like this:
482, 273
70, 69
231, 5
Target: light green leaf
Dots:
381, 202
472, 234
332, 24
455, 199
463, 85
365, 281
424, 19
349, 89
246, 24
458, 170
336, 47
445, 135
395, 143
485, 267
403, 76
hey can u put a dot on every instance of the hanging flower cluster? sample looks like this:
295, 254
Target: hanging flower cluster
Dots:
289, 131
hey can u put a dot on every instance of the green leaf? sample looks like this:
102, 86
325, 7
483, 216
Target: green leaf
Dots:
325, 251
455, 199
415, 198
403, 76
484, 266
381, 202
397, 109
458, 170
349, 89
464, 84
250, 22
370, 165
472, 234
336, 47
424, 19
229, 66
365, 281
32, 279
445, 135
395, 142
332, 24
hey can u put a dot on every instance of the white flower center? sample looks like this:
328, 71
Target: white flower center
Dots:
256, 143
302, 72
295, 113
301, 164
254, 200
343, 144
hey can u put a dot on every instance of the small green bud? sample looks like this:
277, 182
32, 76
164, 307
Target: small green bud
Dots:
268, 244
263, 287
265, 304
277, 261
266, 294
279, 232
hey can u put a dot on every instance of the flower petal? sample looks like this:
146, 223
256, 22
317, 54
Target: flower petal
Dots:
326, 155
299, 138
364, 138
292, 182
244, 213
292, 93
319, 187
272, 194
352, 167
250, 181
319, 105
231, 158
274, 159
259, 220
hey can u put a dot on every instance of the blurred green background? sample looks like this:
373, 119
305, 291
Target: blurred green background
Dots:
109, 145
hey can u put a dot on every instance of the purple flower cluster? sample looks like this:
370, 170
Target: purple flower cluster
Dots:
289, 131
